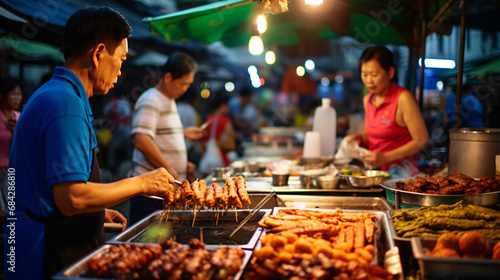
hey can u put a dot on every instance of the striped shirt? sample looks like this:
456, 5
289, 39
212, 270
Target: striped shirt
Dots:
156, 115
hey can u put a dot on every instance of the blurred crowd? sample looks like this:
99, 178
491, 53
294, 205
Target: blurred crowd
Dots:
248, 109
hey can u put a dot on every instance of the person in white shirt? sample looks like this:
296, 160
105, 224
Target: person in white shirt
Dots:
158, 132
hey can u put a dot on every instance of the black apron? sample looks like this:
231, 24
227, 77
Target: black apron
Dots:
68, 239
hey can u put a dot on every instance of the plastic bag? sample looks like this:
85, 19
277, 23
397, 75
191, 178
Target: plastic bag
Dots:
212, 157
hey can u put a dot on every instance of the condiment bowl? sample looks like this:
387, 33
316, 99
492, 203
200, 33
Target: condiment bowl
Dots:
369, 178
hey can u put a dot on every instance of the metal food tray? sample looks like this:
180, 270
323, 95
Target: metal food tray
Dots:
79, 268
205, 219
331, 202
452, 267
383, 240
425, 199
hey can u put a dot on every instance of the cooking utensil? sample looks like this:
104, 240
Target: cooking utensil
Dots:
369, 178
473, 150
425, 199
257, 208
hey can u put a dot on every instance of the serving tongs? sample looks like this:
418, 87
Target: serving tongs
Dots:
255, 210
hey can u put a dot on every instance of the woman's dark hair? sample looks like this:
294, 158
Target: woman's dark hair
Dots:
219, 98
178, 65
88, 27
383, 55
7, 84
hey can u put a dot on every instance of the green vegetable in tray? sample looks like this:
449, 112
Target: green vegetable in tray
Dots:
157, 233
433, 221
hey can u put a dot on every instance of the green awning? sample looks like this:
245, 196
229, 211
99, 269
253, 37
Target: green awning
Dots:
208, 23
380, 22
492, 67
32, 51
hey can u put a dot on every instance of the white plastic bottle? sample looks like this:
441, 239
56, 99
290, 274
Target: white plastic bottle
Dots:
325, 122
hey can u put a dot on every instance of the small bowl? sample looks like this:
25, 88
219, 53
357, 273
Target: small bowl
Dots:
309, 178
369, 178
280, 179
219, 172
329, 182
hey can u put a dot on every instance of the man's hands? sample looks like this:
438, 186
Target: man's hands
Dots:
157, 182
193, 133
113, 216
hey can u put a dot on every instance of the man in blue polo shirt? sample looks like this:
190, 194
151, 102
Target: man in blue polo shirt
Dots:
58, 203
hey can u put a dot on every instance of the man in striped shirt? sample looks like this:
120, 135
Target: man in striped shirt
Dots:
158, 132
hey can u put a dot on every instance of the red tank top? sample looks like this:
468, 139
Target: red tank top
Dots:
383, 133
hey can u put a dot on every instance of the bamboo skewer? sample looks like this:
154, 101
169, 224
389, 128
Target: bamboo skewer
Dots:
194, 218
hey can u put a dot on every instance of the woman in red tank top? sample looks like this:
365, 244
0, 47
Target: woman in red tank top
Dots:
394, 127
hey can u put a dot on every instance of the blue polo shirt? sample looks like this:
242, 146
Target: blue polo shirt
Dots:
52, 144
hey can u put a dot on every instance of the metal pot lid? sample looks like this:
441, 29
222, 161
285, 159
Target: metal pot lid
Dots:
476, 134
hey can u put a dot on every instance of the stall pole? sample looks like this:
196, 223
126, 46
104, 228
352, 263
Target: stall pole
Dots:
423, 8
463, 3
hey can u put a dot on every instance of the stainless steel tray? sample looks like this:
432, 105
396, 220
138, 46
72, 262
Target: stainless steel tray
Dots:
383, 240
331, 202
206, 219
452, 267
424, 199
79, 268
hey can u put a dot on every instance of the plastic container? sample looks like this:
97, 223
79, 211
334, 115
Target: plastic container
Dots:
325, 122
312, 145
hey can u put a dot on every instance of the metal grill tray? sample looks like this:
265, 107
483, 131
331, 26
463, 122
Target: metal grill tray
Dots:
79, 268
437, 267
213, 235
383, 240
425, 199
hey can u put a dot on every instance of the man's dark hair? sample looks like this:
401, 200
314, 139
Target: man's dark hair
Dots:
88, 27
178, 65
381, 54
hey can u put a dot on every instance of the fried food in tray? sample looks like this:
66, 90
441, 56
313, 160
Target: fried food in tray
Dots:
169, 260
356, 229
456, 183
308, 244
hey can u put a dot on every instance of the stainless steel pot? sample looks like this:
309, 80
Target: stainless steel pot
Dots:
473, 150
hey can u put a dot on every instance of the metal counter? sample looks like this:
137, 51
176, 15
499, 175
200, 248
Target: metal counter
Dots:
264, 185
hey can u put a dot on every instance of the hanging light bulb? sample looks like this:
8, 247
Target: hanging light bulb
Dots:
314, 2
270, 57
301, 71
255, 46
310, 64
261, 24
